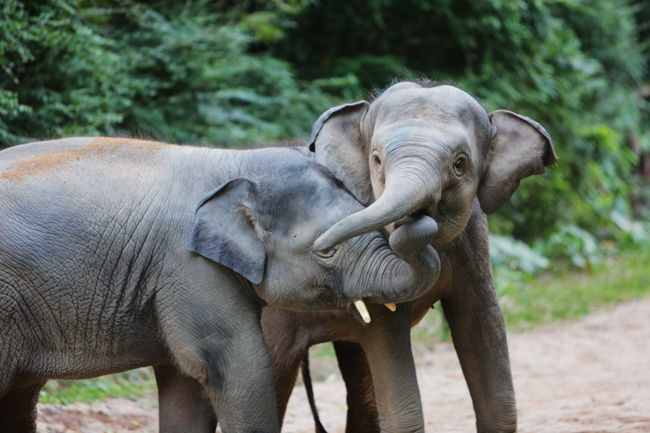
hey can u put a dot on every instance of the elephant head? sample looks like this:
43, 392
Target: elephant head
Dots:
263, 227
424, 149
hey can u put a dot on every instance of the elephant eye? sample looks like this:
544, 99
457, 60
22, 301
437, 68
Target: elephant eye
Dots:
460, 165
327, 254
376, 159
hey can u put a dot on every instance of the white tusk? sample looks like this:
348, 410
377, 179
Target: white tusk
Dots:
363, 310
391, 307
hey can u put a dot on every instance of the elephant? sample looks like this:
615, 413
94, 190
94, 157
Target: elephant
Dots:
416, 150
421, 148
119, 253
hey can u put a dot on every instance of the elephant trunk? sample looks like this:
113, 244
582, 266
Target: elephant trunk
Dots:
401, 272
406, 192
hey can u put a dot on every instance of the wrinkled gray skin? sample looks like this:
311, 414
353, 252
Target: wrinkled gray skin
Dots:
117, 254
420, 150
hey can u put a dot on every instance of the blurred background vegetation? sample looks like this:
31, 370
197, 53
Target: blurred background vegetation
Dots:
232, 73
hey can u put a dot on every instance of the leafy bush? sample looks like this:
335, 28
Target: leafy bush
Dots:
178, 73
574, 244
515, 255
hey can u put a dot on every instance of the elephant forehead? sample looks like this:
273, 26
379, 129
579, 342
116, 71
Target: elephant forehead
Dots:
440, 102
312, 203
422, 139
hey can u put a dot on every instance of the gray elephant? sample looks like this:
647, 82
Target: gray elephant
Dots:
118, 253
416, 151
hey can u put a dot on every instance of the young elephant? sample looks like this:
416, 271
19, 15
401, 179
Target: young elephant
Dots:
425, 149
118, 253
418, 151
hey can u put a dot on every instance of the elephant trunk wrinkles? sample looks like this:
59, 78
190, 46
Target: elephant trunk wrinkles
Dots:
404, 278
404, 272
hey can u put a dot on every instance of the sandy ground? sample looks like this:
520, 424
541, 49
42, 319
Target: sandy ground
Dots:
588, 376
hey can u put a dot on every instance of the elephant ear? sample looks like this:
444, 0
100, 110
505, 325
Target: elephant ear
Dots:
520, 147
226, 229
336, 139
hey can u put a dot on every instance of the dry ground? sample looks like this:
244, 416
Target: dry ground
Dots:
587, 376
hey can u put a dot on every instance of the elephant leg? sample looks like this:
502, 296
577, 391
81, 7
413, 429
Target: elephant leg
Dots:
387, 345
287, 350
234, 369
237, 376
245, 399
479, 333
362, 408
183, 406
18, 409
285, 380
218, 342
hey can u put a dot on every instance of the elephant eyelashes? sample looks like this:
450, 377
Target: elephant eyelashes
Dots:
327, 253
460, 165
376, 159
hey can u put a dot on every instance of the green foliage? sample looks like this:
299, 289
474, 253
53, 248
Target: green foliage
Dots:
508, 253
130, 384
574, 244
212, 90
178, 73
569, 294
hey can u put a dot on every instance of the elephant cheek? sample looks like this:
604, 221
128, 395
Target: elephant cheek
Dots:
454, 212
452, 225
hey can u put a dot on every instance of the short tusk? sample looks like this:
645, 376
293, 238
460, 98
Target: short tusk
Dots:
363, 310
391, 307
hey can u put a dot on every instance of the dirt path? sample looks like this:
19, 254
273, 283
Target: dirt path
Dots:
589, 376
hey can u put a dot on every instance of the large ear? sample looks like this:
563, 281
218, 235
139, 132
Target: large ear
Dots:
520, 147
226, 230
336, 140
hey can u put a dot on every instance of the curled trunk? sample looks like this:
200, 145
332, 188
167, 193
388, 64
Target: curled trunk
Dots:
405, 272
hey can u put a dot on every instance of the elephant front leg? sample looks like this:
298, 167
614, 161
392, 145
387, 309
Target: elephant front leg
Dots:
232, 365
479, 333
387, 345
182, 404
239, 382
280, 329
480, 339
